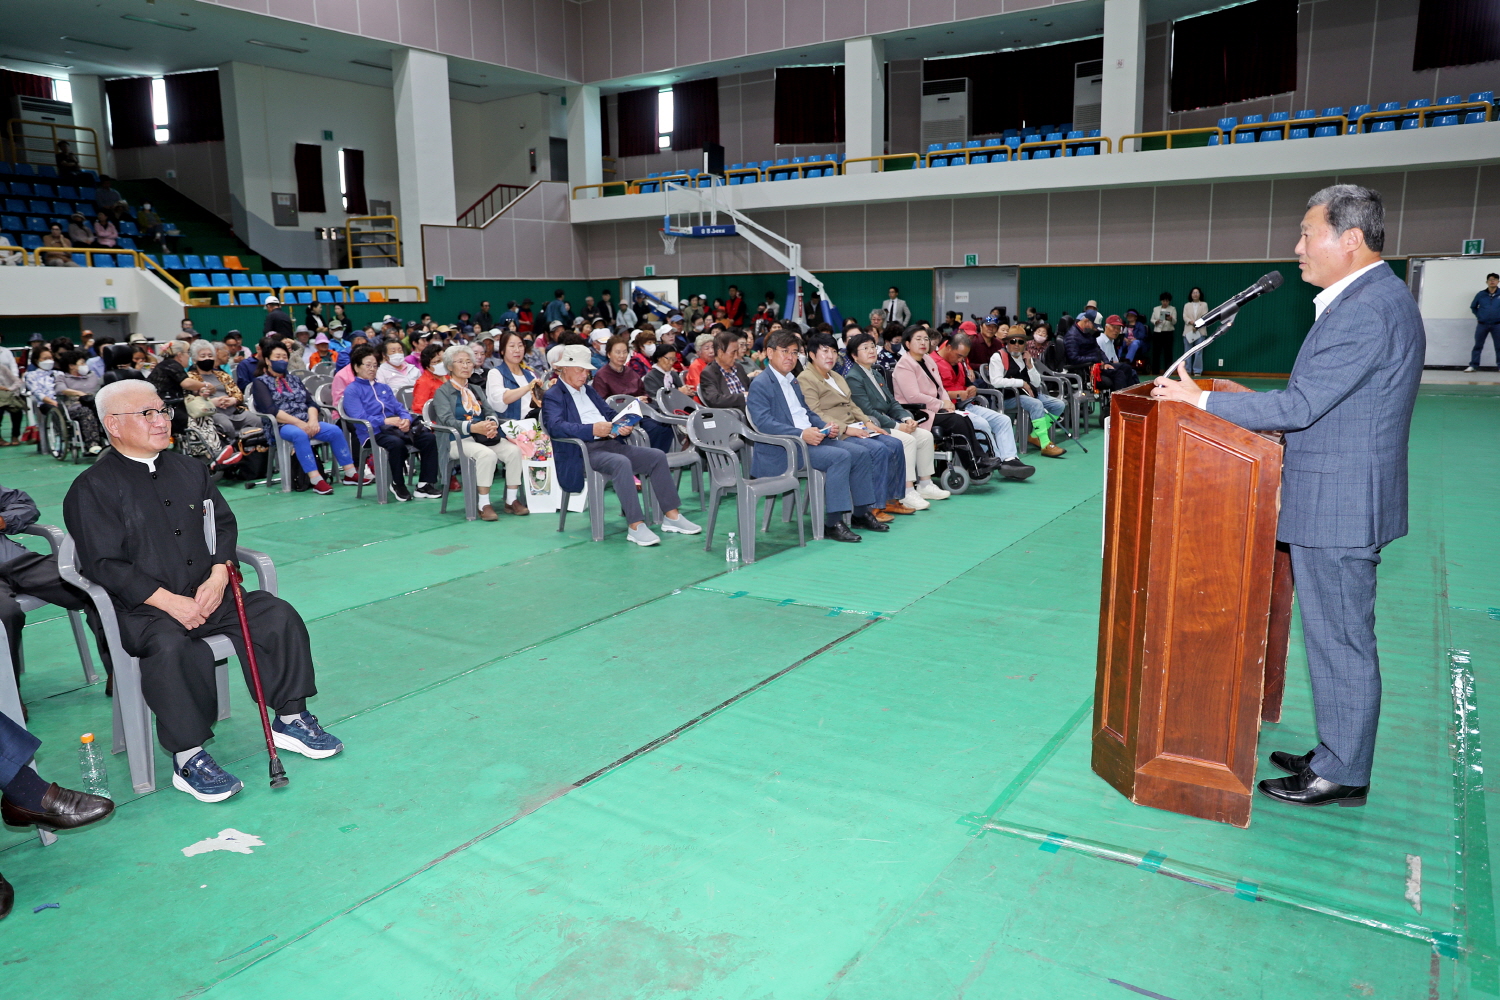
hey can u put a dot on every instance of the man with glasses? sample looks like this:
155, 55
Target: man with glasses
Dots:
153, 530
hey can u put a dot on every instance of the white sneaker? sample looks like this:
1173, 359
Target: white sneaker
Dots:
914, 500
679, 524
930, 491
642, 535
1469, 369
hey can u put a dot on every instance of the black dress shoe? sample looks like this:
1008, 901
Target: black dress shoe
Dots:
840, 533
62, 809
1014, 468
1291, 764
7, 897
867, 522
1307, 789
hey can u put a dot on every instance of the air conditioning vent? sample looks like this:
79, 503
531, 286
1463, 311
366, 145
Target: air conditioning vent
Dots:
945, 111
1088, 93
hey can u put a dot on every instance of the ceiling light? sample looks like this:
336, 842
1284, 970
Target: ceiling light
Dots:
102, 45
463, 83
37, 62
273, 45
159, 24
361, 62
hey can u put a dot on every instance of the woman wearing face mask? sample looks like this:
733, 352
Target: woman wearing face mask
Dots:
76, 386
431, 378
513, 388
395, 370
41, 383
232, 419
297, 420
643, 347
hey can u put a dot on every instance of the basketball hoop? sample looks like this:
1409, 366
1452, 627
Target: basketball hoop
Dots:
668, 243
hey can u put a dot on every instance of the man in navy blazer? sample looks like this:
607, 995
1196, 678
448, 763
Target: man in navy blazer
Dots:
776, 406
572, 409
1346, 414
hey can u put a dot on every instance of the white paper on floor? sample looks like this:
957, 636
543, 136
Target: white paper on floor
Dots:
227, 840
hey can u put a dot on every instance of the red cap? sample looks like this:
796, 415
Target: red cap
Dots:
1114, 320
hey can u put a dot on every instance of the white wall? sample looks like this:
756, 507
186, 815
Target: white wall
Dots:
1447, 287
201, 171
266, 113
153, 309
490, 143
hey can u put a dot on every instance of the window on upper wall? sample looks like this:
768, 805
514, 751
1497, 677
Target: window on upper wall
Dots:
62, 90
159, 109
664, 106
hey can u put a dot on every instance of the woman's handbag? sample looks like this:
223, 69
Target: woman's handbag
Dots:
198, 407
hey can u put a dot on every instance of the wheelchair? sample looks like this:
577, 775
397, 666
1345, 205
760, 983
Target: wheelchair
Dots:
62, 434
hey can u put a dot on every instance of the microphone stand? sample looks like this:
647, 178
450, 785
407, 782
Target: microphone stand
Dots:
1224, 324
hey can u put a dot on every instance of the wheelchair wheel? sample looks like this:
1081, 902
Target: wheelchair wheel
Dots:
57, 434
955, 478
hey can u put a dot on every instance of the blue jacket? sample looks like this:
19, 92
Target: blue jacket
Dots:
19, 511
766, 405
1346, 411
372, 401
560, 417
1486, 307
244, 373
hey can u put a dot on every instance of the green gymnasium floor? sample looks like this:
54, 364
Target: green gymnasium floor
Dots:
583, 771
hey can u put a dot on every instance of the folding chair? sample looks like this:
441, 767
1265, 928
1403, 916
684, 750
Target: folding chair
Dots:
720, 435
449, 462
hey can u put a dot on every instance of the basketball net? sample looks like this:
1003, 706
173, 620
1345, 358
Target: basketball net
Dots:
668, 243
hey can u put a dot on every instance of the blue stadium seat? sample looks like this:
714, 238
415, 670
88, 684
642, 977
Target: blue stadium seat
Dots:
1323, 131
1437, 121
297, 280
152, 258
21, 189
361, 297
209, 263
39, 207
81, 259
735, 166
1271, 135
198, 279
31, 241
46, 170
940, 161
126, 243
991, 142
1298, 133
259, 280
1240, 137
734, 181
1054, 137
6, 168
325, 297
71, 194
1407, 123
1213, 140
766, 164
86, 194
264, 296
15, 206
103, 259
1306, 113
171, 262
219, 279
1090, 150
249, 299
1483, 95
1279, 116
24, 170
1042, 154
129, 229
1333, 112
979, 158
36, 224
1254, 120
192, 262
1384, 125
1075, 134
226, 298
42, 190
748, 179
1420, 102
1389, 106
1473, 117
278, 281
304, 298
63, 208
1355, 113
1031, 137
239, 279
1452, 99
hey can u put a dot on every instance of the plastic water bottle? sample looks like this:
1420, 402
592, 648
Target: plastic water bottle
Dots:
732, 553
91, 763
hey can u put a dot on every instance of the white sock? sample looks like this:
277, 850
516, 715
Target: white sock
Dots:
179, 759
287, 720
925, 481
510, 493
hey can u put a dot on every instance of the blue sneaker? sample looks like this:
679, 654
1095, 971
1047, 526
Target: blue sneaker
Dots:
203, 779
303, 735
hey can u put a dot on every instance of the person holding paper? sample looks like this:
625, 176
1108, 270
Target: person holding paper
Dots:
455, 404
572, 409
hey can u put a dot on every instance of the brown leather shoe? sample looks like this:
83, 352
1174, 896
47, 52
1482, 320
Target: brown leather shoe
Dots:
897, 507
881, 516
62, 809
487, 513
1034, 441
518, 508
1053, 451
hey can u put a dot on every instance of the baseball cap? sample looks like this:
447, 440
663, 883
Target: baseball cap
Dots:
388, 319
271, 301
1114, 320
37, 336
675, 318
573, 356
554, 324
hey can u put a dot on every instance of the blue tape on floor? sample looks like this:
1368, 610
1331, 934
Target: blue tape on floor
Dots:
1052, 843
738, 593
1446, 944
789, 600
1246, 890
1152, 861
835, 612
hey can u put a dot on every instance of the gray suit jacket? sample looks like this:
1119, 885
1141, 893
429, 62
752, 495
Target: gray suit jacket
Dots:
1346, 412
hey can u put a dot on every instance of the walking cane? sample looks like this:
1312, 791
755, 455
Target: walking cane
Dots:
278, 773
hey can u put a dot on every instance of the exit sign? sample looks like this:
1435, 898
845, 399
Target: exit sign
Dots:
107, 303
650, 270
328, 135
439, 281
1473, 247
971, 260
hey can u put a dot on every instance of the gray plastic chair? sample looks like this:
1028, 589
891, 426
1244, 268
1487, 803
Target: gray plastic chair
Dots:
595, 483
816, 489
323, 368
280, 456
10, 693
376, 454
720, 436
450, 458
132, 716
678, 458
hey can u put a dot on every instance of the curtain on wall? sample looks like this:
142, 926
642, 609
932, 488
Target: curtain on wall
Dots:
130, 120
1020, 88
695, 113
604, 125
354, 182
193, 112
637, 113
307, 161
1456, 33
1234, 55
809, 104
25, 84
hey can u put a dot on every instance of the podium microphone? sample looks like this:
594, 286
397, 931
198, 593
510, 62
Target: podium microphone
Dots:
1265, 283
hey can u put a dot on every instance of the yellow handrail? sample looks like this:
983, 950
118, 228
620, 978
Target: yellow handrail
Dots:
393, 231
915, 158
18, 144
968, 151
88, 252
231, 291
1422, 113
387, 290
622, 185
1169, 133
148, 264
1108, 145
25, 254
340, 288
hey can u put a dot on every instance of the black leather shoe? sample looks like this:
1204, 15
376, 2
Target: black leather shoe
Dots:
1307, 789
62, 809
1289, 763
1015, 469
840, 533
7, 897
867, 522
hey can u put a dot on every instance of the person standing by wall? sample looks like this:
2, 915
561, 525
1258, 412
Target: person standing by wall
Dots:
1193, 310
1163, 332
1486, 309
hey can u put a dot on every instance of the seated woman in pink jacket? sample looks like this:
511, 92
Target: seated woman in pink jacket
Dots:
916, 382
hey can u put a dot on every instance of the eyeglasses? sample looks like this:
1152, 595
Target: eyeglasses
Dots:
165, 413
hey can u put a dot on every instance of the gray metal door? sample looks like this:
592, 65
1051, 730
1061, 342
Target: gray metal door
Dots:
973, 291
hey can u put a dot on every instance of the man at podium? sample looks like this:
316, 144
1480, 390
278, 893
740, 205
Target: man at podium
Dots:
1346, 414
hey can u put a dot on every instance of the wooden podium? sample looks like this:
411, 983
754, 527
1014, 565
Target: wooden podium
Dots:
1195, 611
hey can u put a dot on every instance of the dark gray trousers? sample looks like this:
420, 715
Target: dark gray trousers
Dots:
1336, 594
